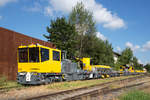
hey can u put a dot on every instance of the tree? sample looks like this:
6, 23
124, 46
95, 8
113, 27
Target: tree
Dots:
136, 64
100, 51
80, 32
117, 65
89, 45
84, 24
147, 66
63, 35
126, 56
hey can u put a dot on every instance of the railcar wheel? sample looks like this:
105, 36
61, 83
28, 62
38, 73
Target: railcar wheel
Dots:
61, 79
47, 81
107, 76
102, 76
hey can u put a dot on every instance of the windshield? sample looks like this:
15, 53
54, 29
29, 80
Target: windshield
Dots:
23, 54
33, 54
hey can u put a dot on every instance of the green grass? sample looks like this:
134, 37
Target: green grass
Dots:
5, 84
135, 95
84, 83
2, 81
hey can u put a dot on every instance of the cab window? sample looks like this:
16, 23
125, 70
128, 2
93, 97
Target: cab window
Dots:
23, 54
44, 54
34, 54
56, 55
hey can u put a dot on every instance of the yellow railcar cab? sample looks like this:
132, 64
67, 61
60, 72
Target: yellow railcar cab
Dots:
38, 58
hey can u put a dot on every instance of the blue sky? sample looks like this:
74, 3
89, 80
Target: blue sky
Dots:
125, 23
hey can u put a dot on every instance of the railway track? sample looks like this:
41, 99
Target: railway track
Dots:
103, 94
4, 89
75, 94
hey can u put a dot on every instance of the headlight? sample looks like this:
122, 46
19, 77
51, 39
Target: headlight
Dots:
22, 73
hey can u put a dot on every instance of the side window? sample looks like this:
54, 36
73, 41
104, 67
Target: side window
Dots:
56, 55
44, 54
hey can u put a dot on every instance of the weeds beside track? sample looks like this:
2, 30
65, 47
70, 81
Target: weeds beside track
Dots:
69, 94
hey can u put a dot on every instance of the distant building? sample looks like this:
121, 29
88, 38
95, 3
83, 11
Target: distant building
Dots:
116, 56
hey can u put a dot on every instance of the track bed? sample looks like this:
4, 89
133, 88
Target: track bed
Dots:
94, 92
44, 92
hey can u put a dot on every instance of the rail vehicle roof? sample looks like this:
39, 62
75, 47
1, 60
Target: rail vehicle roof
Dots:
101, 66
37, 45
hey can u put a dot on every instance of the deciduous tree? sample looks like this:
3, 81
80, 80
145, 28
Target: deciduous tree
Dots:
147, 66
62, 34
136, 63
126, 56
84, 23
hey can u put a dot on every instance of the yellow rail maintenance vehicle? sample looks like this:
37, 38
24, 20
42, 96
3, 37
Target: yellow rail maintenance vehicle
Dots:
106, 71
140, 71
39, 64
129, 70
102, 71
36, 63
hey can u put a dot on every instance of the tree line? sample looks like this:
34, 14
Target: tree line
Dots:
76, 34
127, 57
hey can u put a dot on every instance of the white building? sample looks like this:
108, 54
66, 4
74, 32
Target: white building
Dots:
116, 56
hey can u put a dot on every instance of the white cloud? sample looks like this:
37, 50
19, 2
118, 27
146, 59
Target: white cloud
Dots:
48, 11
117, 23
139, 61
101, 15
4, 2
64, 6
36, 7
101, 36
118, 49
133, 47
146, 46
128, 44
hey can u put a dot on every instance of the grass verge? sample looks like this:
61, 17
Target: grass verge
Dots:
135, 95
84, 83
7, 85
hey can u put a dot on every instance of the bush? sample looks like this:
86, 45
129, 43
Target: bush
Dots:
135, 95
117, 66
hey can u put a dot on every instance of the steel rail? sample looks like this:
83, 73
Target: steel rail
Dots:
60, 94
104, 90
